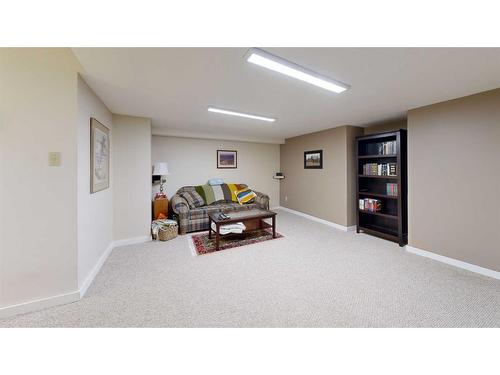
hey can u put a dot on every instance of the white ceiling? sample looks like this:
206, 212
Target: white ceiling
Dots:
174, 86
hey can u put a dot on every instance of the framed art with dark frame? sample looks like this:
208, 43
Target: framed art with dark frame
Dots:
313, 159
227, 159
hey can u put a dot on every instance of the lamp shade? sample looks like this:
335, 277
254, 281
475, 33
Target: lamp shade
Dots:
160, 169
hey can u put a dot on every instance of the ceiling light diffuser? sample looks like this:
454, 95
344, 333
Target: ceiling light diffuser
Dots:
240, 114
277, 64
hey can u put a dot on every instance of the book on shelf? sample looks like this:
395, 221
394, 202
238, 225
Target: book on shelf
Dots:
380, 169
370, 205
386, 148
392, 189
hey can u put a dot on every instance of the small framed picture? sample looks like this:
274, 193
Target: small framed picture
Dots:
313, 159
227, 159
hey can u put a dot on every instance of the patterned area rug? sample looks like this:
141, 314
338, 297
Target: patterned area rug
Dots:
204, 245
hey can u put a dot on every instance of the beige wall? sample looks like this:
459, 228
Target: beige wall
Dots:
454, 184
132, 176
193, 161
325, 193
38, 216
386, 126
53, 232
351, 133
95, 211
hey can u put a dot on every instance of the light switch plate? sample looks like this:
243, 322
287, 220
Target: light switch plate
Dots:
54, 159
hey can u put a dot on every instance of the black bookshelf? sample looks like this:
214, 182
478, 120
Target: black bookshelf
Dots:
391, 222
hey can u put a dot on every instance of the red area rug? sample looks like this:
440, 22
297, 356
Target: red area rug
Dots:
204, 245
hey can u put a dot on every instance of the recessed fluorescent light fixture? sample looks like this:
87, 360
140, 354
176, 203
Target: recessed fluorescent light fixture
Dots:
240, 114
269, 61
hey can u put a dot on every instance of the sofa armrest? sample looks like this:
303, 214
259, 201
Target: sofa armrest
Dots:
179, 205
262, 200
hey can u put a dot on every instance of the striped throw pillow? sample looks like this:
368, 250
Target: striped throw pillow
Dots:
233, 189
245, 196
193, 198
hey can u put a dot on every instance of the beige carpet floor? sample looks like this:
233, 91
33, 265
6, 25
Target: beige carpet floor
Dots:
316, 276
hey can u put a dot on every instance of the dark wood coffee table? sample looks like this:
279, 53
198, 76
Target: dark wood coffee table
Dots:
253, 220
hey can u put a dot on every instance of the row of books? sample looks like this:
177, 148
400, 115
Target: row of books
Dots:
370, 204
376, 169
386, 148
392, 189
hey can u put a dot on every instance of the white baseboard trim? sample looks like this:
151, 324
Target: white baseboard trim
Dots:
128, 241
317, 219
131, 241
90, 278
454, 262
63, 299
39, 304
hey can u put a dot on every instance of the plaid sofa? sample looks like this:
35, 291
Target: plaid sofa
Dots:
191, 220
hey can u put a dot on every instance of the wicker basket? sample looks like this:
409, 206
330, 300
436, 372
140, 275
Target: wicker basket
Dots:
167, 233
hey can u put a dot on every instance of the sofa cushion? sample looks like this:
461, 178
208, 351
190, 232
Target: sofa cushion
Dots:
203, 212
193, 198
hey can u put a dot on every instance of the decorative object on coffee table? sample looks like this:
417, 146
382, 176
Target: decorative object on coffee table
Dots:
252, 220
227, 159
313, 159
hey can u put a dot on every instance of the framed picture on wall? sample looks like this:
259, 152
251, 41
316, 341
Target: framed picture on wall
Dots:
99, 156
227, 159
313, 159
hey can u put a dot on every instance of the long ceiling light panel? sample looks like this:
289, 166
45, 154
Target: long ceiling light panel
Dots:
240, 114
277, 64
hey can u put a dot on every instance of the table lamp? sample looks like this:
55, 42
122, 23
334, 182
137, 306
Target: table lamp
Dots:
161, 169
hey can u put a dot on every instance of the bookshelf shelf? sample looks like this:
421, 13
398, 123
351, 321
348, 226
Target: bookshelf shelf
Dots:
378, 154
389, 216
379, 231
378, 195
372, 176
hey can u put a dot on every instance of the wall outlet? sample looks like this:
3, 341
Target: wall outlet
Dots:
54, 159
